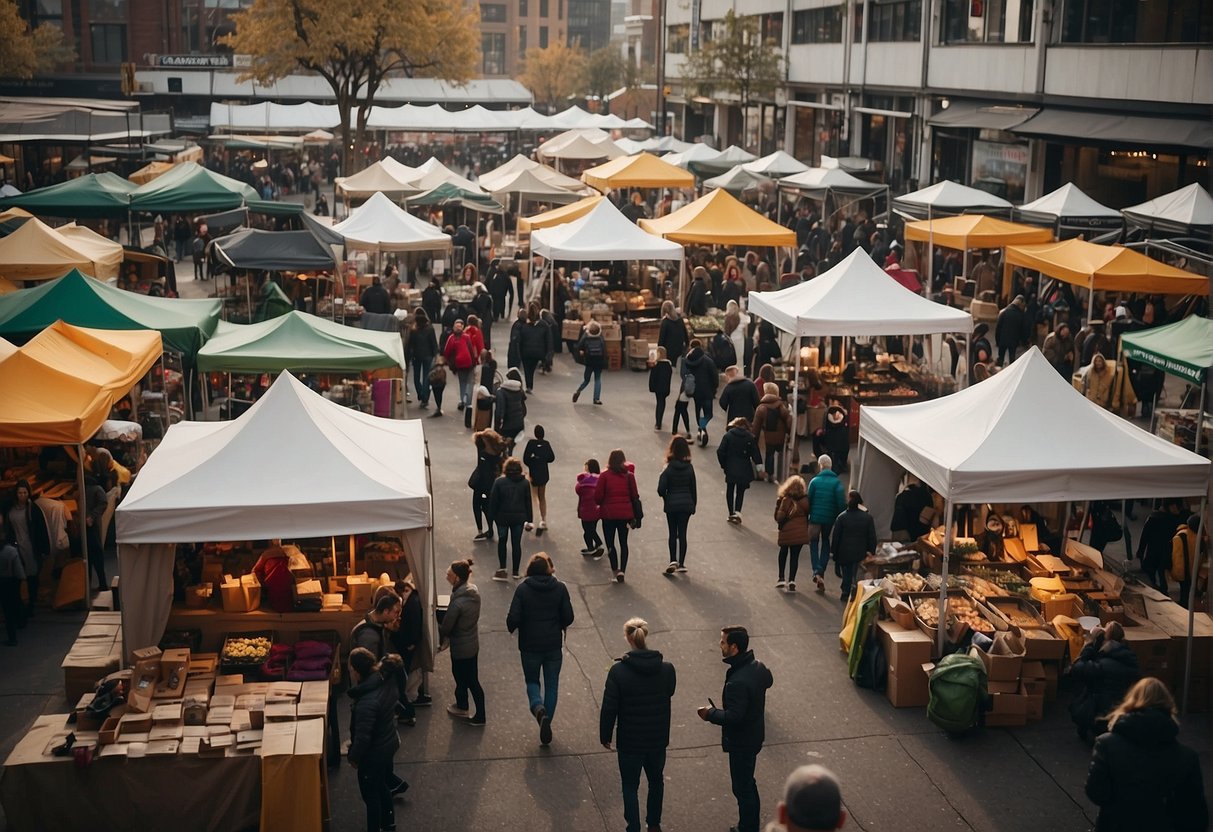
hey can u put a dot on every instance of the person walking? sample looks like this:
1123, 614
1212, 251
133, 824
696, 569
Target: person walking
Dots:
587, 508
676, 487
437, 381
198, 249
534, 345
852, 539
460, 354
772, 424
740, 398
460, 632
739, 459
1010, 331
540, 613
826, 501
1156, 545
537, 456
1141, 776
742, 719
420, 350
12, 575
672, 335
490, 451
407, 638
510, 510
1106, 669
591, 346
373, 737
30, 532
510, 408
636, 712
1185, 547
682, 407
617, 496
792, 519
700, 380
660, 376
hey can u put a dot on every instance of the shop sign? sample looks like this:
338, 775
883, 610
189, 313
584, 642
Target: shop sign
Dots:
194, 61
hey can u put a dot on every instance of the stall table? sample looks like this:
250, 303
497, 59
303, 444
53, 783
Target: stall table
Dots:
215, 623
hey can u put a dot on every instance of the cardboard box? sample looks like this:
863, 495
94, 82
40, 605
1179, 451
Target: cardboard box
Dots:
133, 722
144, 678
612, 331
309, 588
194, 709
1043, 645
202, 666
906, 650
1004, 660
1007, 710
241, 595
174, 670
111, 729
1034, 703
360, 592
570, 330
1002, 687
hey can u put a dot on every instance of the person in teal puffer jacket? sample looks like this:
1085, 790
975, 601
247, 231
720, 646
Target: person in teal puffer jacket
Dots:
827, 500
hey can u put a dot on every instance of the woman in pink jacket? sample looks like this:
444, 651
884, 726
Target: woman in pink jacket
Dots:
587, 508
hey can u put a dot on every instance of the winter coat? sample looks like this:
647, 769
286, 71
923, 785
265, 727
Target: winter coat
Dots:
827, 499
1098, 386
376, 299
373, 719
636, 702
854, 536
371, 635
511, 408
767, 352
1011, 329
477, 339
10, 563
738, 454
540, 613
421, 344
1181, 552
742, 714
461, 625
537, 457
431, 302
907, 509
1106, 671
510, 500
1059, 351
488, 468
482, 305
614, 494
697, 298
676, 487
459, 352
836, 439
659, 378
767, 404
1141, 777
587, 505
739, 399
1155, 546
534, 341
792, 516
513, 358
707, 378
673, 336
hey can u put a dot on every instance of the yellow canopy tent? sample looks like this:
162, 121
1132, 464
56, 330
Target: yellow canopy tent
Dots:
1103, 268
643, 170
720, 218
975, 231
150, 171
35, 251
559, 216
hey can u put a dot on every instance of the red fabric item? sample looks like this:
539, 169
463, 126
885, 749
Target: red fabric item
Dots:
477, 339
458, 352
277, 582
614, 494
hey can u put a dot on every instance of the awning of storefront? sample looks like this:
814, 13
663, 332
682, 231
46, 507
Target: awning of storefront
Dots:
1115, 128
982, 115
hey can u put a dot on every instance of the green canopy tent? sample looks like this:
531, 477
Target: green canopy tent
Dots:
448, 192
90, 196
190, 187
274, 302
298, 342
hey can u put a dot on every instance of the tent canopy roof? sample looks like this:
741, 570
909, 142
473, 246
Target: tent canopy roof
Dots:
449, 192
1189, 208
972, 446
35, 251
975, 231
1184, 348
190, 187
718, 217
298, 341
557, 216
949, 197
1111, 268
856, 297
91, 195
715, 165
206, 480
387, 176
695, 153
528, 183
777, 165
381, 225
82, 301
820, 180
1069, 201
590, 143
488, 181
737, 180
602, 234
252, 248
431, 173
643, 170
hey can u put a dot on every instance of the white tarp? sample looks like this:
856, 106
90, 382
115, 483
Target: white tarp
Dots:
431, 173
490, 180
1188, 208
385, 176
270, 116
738, 180
949, 197
697, 152
820, 180
776, 165
856, 297
1069, 201
381, 225
1026, 435
602, 234
529, 185
589, 143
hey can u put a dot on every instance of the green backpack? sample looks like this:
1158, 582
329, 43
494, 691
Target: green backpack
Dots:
958, 689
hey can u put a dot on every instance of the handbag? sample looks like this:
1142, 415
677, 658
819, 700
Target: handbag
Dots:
637, 513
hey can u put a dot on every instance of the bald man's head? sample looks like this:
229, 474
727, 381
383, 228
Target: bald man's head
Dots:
812, 801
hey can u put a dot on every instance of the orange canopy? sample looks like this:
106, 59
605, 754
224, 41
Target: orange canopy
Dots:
975, 231
559, 216
1103, 268
643, 170
60, 386
719, 218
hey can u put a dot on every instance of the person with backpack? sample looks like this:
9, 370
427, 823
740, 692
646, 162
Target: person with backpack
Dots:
700, 380
739, 459
510, 410
826, 502
739, 399
437, 378
792, 519
852, 538
537, 456
510, 510
772, 424
541, 612
721, 351
617, 497
460, 354
587, 508
420, 350
592, 349
677, 489
660, 375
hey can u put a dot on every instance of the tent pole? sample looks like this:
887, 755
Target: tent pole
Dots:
795, 439
333, 544
82, 525
1200, 419
863, 455
926, 292
164, 390
943, 586
1086, 515
1194, 568
1065, 528
1091, 299
351, 554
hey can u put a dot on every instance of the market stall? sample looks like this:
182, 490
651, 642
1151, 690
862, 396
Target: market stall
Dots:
738, 180
643, 170
527, 186
387, 176
1070, 213
580, 145
982, 457
947, 199
1187, 211
776, 165
697, 152
557, 216
295, 467
189, 187
832, 184
1183, 349
88, 196
35, 251
550, 175
721, 162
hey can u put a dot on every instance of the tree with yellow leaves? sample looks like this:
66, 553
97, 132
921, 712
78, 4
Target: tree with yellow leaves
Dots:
356, 45
553, 74
27, 50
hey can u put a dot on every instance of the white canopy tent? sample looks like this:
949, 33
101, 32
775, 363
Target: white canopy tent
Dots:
247, 480
738, 180
948, 198
381, 225
1186, 211
776, 165
985, 444
1068, 206
581, 144
431, 173
819, 184
721, 162
531, 184
697, 152
488, 181
386, 176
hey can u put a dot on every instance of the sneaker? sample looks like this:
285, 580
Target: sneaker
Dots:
476, 722
515, 576
597, 401
576, 396
423, 700
791, 586
781, 583
462, 406
821, 585
482, 536
737, 518
455, 710
410, 721
545, 730
423, 405
657, 428
436, 413
540, 713
672, 568
586, 551
499, 575
541, 528
618, 577
682, 568
598, 553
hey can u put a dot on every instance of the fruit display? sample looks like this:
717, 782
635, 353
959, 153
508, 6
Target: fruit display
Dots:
980, 588
238, 650
902, 391
959, 610
967, 551
1008, 582
906, 581
1016, 615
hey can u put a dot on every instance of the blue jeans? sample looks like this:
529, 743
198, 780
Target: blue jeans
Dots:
819, 549
703, 413
549, 662
465, 386
630, 766
421, 378
585, 381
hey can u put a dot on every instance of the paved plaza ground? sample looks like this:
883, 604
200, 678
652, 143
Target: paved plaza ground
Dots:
898, 771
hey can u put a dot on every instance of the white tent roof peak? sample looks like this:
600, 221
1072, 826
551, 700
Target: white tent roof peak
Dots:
992, 442
381, 225
952, 196
1069, 201
777, 164
602, 234
1189, 206
856, 297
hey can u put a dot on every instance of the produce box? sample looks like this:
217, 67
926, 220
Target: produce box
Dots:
570, 330
612, 331
244, 651
360, 591
907, 650
964, 614
1004, 659
241, 595
1017, 612
174, 669
1007, 710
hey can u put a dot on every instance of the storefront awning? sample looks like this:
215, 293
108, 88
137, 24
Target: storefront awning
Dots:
982, 115
1115, 128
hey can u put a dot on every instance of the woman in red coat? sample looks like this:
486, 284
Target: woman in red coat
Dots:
614, 494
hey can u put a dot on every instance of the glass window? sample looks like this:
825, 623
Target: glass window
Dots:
492, 12
817, 25
1139, 21
108, 10
988, 21
492, 49
523, 9
895, 21
772, 27
521, 40
543, 8
677, 38
543, 37
109, 43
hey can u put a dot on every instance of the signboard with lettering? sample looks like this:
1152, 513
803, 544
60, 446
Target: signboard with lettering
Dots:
195, 61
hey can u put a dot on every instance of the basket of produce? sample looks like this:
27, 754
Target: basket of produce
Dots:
963, 615
1017, 612
905, 582
243, 651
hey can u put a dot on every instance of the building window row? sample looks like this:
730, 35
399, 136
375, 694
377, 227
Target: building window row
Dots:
894, 21
678, 38
822, 25
1137, 21
987, 21
492, 12
492, 50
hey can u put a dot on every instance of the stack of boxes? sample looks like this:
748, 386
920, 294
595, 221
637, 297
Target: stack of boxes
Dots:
96, 653
906, 651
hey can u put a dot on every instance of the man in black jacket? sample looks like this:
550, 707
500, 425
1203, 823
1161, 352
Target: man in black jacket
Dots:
1154, 548
637, 698
740, 397
742, 720
541, 611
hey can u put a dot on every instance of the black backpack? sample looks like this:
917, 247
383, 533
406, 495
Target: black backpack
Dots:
595, 347
722, 352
